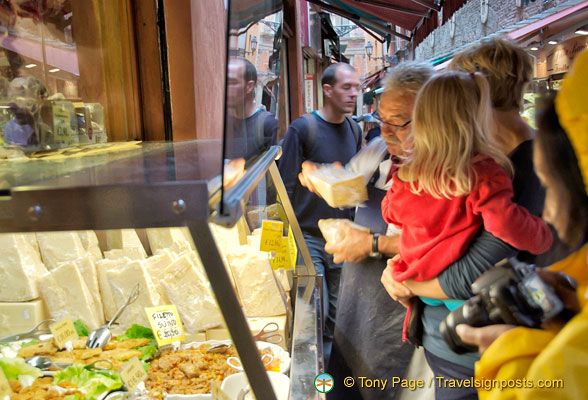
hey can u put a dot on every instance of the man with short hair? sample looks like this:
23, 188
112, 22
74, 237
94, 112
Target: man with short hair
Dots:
326, 135
250, 129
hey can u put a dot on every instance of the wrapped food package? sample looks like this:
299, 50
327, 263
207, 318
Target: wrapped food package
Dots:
331, 228
339, 187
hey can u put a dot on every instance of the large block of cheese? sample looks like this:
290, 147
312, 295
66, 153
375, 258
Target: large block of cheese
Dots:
132, 253
187, 287
21, 317
259, 291
88, 270
122, 282
176, 248
339, 187
156, 266
20, 268
123, 239
59, 247
66, 295
163, 238
90, 243
102, 267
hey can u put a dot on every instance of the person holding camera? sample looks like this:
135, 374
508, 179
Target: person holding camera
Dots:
551, 362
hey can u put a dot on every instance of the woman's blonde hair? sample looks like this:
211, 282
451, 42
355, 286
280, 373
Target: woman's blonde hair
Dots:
452, 118
508, 67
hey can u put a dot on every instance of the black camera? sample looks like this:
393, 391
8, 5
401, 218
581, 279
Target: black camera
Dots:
509, 293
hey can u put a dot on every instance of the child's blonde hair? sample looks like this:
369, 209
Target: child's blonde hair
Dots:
452, 118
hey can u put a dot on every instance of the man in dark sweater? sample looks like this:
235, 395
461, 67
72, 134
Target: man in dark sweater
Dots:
325, 136
250, 130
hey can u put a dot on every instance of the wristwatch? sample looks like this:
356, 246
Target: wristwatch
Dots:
375, 252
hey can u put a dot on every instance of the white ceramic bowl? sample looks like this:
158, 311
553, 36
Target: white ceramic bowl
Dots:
233, 384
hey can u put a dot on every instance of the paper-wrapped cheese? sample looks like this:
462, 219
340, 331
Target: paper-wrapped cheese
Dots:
156, 266
122, 282
188, 288
339, 187
59, 247
20, 268
260, 293
66, 295
331, 228
102, 268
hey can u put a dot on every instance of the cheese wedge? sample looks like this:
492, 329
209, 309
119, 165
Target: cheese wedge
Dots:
163, 238
124, 239
66, 295
122, 282
90, 243
20, 268
187, 287
88, 270
132, 253
102, 267
59, 247
339, 187
259, 291
22, 316
156, 266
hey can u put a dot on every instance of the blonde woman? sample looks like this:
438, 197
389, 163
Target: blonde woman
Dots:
453, 181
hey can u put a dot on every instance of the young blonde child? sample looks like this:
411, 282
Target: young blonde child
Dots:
453, 180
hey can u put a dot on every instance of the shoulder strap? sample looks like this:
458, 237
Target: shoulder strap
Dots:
310, 134
355, 129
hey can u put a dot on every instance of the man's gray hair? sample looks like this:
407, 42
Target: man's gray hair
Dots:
408, 76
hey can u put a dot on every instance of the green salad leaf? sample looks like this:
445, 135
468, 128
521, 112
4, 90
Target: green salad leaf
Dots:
141, 332
81, 328
91, 383
15, 367
30, 343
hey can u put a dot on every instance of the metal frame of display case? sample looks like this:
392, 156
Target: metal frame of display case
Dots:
61, 205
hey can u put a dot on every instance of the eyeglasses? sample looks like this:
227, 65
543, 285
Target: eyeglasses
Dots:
376, 115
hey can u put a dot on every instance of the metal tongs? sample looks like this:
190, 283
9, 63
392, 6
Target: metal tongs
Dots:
101, 336
34, 333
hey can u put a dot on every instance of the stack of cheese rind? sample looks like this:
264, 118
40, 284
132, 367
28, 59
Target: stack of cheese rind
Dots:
188, 288
66, 295
339, 187
257, 286
58, 247
20, 268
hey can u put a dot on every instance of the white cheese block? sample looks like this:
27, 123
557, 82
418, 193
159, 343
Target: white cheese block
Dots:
132, 253
123, 239
88, 270
176, 248
259, 291
32, 239
339, 187
66, 295
187, 287
156, 266
102, 267
90, 243
163, 238
20, 268
21, 317
59, 247
122, 282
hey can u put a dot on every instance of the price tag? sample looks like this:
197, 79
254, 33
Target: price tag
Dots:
63, 331
217, 393
282, 257
61, 124
271, 235
133, 373
292, 246
166, 324
5, 389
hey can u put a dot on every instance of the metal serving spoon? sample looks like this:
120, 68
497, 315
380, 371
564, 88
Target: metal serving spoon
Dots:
44, 363
101, 336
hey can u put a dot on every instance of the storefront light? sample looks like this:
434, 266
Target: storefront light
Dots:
54, 70
553, 42
30, 66
583, 30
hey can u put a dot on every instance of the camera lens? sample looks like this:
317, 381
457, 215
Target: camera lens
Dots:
471, 313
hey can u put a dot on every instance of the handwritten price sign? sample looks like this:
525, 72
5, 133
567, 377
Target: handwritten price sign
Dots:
166, 324
133, 373
5, 389
63, 331
271, 236
282, 258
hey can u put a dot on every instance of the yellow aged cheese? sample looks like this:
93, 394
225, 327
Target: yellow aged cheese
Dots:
90, 243
339, 187
66, 295
122, 281
59, 247
188, 288
163, 238
124, 239
20, 268
88, 270
132, 253
21, 317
